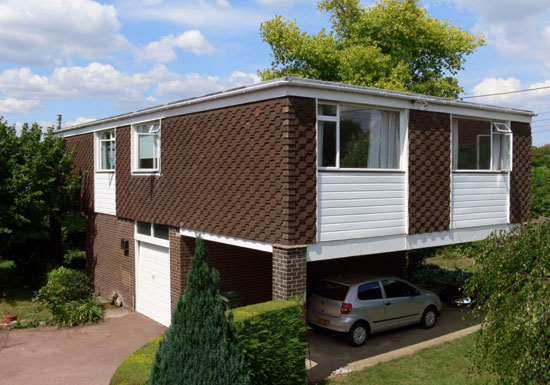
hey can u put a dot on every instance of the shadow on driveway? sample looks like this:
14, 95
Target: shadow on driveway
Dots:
331, 352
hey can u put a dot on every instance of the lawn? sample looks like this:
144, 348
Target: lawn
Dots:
448, 364
136, 367
16, 298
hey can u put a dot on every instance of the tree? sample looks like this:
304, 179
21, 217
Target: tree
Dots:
200, 347
540, 156
36, 189
394, 44
512, 288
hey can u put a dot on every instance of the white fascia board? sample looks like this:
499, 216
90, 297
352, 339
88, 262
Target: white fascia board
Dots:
152, 240
246, 243
376, 245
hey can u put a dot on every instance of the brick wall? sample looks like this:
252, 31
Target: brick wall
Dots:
247, 171
429, 171
520, 179
107, 266
83, 145
178, 266
245, 270
289, 272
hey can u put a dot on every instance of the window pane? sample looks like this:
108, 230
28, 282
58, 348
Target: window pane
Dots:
501, 152
326, 110
160, 231
143, 128
107, 155
327, 140
369, 138
147, 151
397, 289
472, 142
331, 290
369, 290
144, 228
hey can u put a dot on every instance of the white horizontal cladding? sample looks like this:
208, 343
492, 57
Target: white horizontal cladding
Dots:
385, 244
479, 199
360, 205
246, 243
105, 193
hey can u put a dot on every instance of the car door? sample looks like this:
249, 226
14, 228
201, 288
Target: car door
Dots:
402, 303
372, 305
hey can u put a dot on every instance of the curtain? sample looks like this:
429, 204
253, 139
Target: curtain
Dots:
384, 139
455, 144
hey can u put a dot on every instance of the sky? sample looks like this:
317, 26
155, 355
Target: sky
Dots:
89, 59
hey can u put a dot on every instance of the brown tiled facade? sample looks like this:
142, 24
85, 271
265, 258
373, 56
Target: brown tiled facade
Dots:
246, 171
429, 171
83, 147
520, 178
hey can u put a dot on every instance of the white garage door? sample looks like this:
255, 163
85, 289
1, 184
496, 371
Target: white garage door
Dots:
153, 282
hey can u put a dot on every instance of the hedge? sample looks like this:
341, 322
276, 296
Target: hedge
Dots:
270, 335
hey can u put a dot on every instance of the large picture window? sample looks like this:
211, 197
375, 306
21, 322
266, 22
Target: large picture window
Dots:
107, 150
481, 145
146, 149
358, 137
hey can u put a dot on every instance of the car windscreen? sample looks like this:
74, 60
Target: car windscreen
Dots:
331, 290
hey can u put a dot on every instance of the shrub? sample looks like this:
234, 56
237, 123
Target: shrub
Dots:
200, 346
75, 259
512, 284
540, 191
271, 336
78, 312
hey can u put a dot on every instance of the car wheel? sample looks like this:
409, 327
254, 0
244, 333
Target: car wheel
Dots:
358, 334
429, 317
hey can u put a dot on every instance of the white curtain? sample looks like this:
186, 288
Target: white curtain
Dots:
384, 140
501, 152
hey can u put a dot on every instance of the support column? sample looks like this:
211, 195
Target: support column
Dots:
289, 272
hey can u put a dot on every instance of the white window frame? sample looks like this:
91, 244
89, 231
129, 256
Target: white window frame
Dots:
498, 127
402, 137
135, 147
151, 238
98, 149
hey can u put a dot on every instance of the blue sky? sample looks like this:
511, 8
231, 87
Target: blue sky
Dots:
90, 59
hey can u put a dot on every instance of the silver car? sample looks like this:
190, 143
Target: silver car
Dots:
358, 305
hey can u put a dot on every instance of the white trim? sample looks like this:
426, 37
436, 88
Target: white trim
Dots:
97, 149
134, 148
246, 243
152, 240
376, 245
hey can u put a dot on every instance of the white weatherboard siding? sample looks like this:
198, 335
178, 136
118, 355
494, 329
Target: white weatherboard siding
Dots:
360, 205
105, 193
479, 199
153, 282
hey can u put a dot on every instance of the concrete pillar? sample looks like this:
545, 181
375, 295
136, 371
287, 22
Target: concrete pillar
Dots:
289, 272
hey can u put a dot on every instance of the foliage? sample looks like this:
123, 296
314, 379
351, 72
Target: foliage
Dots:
36, 187
512, 284
69, 296
75, 259
393, 44
272, 346
540, 156
271, 336
200, 346
540, 191
451, 363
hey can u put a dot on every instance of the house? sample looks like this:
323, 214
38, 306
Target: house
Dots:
288, 180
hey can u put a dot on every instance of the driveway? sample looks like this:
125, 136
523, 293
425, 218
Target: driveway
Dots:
85, 355
331, 352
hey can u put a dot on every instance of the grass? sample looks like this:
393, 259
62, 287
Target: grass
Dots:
451, 363
136, 367
16, 298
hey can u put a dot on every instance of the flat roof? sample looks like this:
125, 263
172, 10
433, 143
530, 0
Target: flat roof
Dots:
293, 82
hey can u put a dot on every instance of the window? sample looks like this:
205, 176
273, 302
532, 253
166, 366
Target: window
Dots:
153, 230
107, 150
396, 289
369, 290
481, 145
146, 146
331, 290
358, 137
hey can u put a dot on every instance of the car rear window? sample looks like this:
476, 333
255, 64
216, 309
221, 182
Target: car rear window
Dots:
331, 290
369, 290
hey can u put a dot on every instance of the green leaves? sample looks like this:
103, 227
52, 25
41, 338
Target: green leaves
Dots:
393, 44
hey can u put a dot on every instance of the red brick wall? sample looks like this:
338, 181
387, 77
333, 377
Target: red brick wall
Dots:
83, 145
245, 270
520, 179
247, 171
108, 267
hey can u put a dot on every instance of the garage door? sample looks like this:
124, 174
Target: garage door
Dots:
153, 282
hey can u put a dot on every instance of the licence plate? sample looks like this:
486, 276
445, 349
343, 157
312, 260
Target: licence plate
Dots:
321, 321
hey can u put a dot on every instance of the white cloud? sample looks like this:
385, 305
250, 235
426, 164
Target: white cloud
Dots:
36, 32
18, 106
163, 50
277, 4
222, 3
77, 121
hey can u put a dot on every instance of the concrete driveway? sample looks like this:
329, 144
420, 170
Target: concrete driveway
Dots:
85, 355
331, 352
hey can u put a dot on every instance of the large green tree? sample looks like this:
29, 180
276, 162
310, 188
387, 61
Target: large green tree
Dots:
394, 44
37, 185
